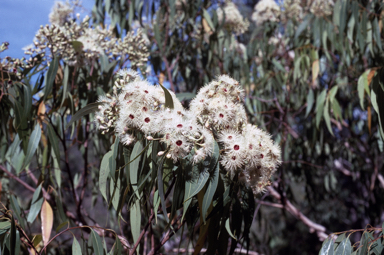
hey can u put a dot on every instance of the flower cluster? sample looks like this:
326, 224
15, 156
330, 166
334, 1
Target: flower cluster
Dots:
266, 10
78, 43
217, 113
12, 65
247, 151
321, 8
234, 21
292, 10
61, 13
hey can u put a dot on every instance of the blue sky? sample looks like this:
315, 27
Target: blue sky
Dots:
20, 19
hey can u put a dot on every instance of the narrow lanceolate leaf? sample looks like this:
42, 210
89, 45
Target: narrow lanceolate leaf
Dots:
65, 84
104, 173
327, 118
327, 247
4, 226
228, 228
53, 140
36, 203
361, 84
16, 209
208, 19
135, 219
344, 248
90, 108
377, 96
320, 106
50, 77
211, 189
160, 188
32, 145
310, 101
193, 186
12, 237
97, 244
134, 166
76, 249
315, 71
46, 221
168, 98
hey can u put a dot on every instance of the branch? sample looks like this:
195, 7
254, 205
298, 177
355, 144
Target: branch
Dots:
26, 185
320, 230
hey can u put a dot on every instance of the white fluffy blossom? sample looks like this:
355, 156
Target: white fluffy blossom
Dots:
321, 7
216, 117
266, 10
61, 13
234, 21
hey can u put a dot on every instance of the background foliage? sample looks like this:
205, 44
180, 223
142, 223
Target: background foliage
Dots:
313, 81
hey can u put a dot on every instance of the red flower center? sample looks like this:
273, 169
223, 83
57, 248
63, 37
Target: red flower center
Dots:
131, 116
261, 156
221, 115
145, 109
236, 147
229, 137
180, 126
225, 90
147, 120
233, 157
146, 91
260, 145
250, 146
179, 143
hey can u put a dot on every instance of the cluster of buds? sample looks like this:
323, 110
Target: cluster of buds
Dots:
292, 10
216, 113
266, 10
61, 13
321, 8
78, 43
234, 21
14, 66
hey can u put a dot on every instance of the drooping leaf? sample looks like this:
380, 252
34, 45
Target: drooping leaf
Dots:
46, 221
16, 209
310, 101
327, 247
32, 145
134, 165
76, 249
135, 220
84, 111
37, 201
344, 248
327, 118
65, 84
361, 84
97, 244
228, 228
50, 77
104, 173
320, 106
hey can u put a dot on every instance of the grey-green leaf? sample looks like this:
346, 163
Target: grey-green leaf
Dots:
104, 173
50, 77
84, 111
344, 248
76, 249
32, 145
